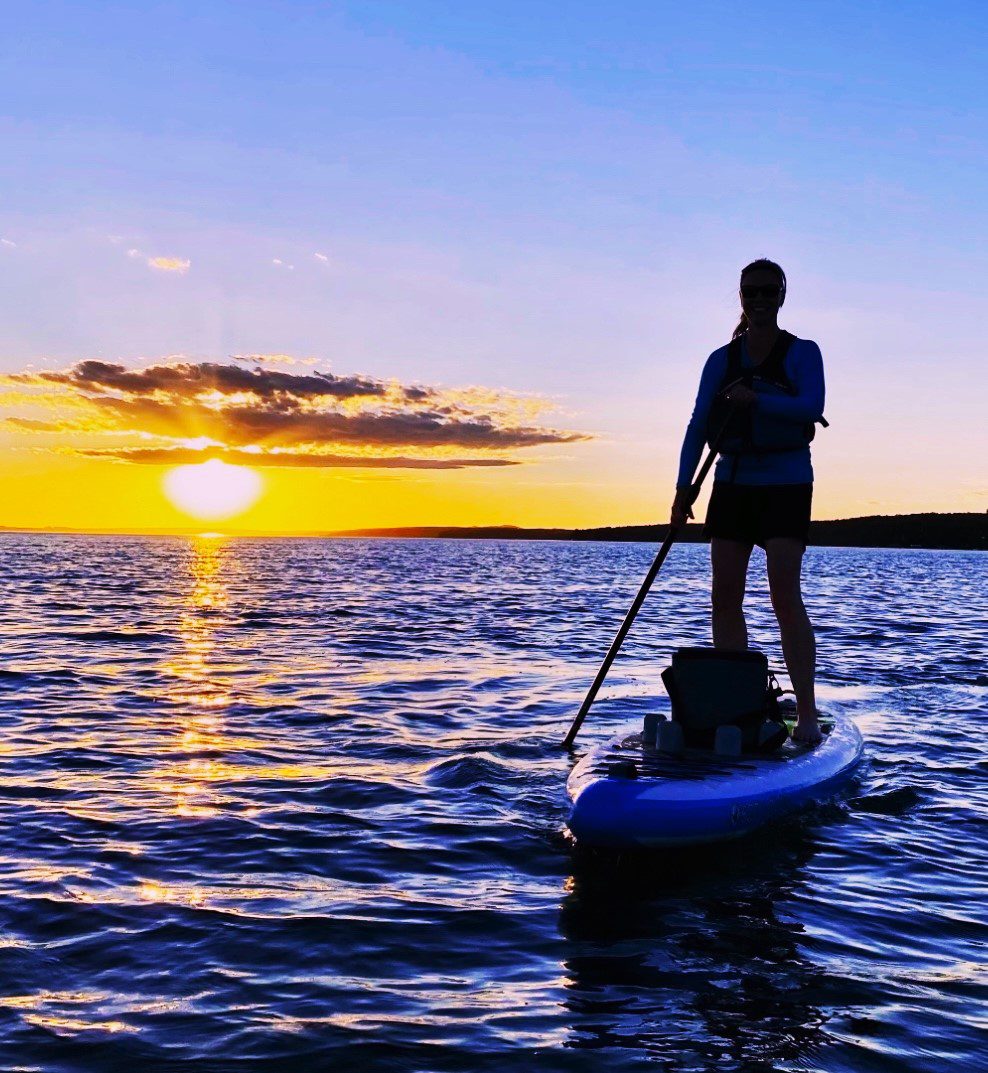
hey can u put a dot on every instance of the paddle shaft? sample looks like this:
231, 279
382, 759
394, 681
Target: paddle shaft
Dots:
639, 600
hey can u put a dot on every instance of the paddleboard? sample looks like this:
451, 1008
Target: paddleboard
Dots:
626, 794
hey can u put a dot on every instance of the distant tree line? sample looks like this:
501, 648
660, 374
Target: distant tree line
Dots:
962, 532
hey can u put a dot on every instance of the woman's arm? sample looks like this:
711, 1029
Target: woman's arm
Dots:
807, 379
696, 430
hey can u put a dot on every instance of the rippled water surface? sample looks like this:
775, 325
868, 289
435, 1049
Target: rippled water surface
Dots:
300, 805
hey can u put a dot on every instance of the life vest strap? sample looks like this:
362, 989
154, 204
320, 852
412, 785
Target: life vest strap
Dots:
773, 368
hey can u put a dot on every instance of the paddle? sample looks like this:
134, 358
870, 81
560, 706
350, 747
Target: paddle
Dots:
642, 593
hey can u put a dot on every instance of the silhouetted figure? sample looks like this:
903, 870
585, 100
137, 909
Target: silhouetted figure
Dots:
766, 387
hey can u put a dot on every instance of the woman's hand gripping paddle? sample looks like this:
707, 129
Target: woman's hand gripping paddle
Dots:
640, 598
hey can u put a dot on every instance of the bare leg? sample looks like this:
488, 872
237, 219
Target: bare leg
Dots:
784, 561
729, 559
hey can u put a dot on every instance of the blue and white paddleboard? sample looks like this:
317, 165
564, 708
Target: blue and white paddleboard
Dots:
627, 794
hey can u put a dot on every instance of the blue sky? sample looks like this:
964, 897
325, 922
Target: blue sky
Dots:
536, 197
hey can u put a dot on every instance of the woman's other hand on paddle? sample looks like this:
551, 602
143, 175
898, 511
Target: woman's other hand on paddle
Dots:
682, 507
741, 397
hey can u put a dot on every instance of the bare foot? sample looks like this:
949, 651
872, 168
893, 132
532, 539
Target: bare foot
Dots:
807, 730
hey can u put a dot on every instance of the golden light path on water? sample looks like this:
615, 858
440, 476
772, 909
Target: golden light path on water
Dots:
198, 690
187, 776
188, 781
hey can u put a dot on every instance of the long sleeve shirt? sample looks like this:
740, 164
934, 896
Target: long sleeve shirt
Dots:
804, 368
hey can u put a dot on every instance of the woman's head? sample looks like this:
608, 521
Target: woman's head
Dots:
763, 290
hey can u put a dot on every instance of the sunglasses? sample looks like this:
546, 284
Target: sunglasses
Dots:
769, 290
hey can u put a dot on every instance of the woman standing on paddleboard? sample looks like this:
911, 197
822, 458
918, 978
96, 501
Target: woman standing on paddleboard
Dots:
766, 390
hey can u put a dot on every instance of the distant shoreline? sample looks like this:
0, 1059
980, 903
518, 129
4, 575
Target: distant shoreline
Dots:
945, 532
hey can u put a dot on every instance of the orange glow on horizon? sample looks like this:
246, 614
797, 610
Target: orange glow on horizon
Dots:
608, 485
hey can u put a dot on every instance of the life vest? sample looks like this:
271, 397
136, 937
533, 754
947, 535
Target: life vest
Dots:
743, 431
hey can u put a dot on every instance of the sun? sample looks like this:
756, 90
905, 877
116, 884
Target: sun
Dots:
212, 490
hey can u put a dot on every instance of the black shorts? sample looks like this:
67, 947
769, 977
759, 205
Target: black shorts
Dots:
754, 513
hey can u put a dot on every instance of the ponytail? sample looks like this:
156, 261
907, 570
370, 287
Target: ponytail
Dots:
742, 327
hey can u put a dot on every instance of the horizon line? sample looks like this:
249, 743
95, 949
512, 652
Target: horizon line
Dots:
198, 531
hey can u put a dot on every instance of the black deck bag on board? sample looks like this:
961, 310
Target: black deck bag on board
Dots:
710, 688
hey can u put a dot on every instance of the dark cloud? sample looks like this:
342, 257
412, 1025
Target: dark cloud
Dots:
243, 425
177, 456
417, 393
241, 407
189, 380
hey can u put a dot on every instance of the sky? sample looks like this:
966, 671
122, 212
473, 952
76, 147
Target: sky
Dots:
428, 263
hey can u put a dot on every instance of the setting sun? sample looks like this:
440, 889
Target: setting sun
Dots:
213, 489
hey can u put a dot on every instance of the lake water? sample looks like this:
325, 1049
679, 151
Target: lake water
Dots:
299, 804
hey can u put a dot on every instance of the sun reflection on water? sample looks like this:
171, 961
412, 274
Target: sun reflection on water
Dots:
188, 776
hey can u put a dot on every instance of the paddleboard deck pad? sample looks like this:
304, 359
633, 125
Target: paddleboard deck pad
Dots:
626, 794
